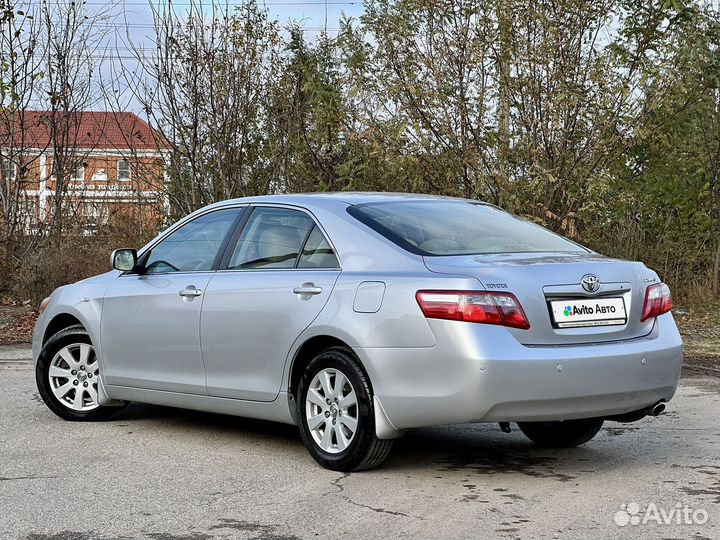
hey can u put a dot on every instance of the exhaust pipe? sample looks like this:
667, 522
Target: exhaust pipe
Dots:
634, 416
657, 409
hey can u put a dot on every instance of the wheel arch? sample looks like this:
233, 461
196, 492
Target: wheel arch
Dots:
69, 306
384, 428
309, 346
307, 351
60, 322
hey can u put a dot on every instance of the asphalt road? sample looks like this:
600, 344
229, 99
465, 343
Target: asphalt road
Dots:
165, 474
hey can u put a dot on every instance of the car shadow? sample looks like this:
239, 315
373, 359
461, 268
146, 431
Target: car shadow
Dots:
484, 449
477, 448
204, 421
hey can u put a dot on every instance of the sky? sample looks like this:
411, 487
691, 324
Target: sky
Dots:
126, 21
310, 14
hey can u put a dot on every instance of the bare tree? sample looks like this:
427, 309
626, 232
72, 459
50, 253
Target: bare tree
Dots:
19, 77
204, 88
72, 45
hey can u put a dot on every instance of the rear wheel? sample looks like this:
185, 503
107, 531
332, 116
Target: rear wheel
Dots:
67, 377
565, 434
336, 414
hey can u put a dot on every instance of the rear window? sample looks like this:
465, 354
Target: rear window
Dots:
433, 227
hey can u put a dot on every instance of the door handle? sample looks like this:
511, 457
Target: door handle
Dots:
190, 291
307, 288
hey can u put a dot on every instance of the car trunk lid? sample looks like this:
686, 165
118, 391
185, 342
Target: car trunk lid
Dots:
550, 290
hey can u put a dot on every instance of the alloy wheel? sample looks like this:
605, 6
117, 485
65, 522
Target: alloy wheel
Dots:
73, 377
331, 410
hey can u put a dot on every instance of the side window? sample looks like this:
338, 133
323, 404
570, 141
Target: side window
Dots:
194, 246
317, 252
271, 238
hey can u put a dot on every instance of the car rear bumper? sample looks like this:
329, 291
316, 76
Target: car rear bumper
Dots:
480, 373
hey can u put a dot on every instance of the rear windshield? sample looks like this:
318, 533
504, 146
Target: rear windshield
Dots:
437, 227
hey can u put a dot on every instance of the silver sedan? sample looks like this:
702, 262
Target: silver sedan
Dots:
360, 316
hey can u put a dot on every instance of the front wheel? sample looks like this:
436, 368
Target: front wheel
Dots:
336, 413
565, 434
67, 377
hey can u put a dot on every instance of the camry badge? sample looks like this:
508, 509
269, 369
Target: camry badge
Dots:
590, 283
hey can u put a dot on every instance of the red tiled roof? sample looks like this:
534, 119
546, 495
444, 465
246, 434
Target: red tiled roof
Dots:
88, 130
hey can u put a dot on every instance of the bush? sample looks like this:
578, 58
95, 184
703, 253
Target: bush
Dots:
34, 268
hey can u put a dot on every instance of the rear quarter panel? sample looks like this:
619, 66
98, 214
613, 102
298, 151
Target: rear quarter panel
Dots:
399, 323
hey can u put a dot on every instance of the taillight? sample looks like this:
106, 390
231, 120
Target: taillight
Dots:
473, 306
657, 301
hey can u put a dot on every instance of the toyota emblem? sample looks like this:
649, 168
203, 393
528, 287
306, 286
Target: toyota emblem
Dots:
590, 283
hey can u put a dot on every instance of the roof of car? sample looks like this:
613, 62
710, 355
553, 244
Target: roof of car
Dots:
347, 197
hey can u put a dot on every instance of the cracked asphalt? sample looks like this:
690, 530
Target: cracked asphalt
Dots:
166, 474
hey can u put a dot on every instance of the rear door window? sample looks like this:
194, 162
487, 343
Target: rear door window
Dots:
271, 239
317, 252
281, 238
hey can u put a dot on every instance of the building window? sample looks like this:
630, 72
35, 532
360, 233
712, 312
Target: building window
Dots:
78, 173
123, 170
27, 214
95, 215
70, 211
9, 170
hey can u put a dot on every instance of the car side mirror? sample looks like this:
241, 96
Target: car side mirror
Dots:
124, 259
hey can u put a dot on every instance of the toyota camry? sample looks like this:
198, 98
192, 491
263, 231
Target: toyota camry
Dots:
361, 316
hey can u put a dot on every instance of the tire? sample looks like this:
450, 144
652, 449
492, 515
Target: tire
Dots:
60, 393
364, 450
565, 434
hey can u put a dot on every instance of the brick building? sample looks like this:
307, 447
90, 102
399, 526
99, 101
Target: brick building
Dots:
112, 166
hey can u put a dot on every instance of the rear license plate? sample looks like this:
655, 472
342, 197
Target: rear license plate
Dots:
588, 312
